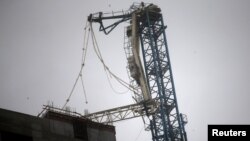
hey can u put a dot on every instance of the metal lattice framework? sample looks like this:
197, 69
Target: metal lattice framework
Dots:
161, 108
120, 113
165, 124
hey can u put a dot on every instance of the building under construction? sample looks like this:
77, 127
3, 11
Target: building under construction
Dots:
53, 125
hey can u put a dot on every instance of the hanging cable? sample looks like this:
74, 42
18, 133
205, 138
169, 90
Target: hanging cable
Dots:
72, 90
98, 53
96, 48
109, 5
106, 69
84, 51
110, 84
84, 91
84, 54
85, 43
139, 134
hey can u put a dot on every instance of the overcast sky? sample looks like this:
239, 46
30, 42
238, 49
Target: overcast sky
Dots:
41, 45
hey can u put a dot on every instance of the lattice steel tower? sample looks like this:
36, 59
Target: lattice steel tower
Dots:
153, 77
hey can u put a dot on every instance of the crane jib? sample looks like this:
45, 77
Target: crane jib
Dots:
152, 74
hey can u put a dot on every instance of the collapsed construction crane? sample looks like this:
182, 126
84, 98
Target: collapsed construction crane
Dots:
151, 75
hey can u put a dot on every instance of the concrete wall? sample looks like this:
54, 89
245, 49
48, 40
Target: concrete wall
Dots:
99, 135
38, 129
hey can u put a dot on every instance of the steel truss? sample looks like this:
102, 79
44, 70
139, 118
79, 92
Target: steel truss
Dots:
165, 124
120, 113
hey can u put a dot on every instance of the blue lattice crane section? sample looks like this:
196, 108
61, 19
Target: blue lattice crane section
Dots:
165, 123
153, 73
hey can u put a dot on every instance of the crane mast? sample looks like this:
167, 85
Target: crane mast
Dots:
152, 74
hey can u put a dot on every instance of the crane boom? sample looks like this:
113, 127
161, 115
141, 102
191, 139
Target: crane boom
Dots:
98, 17
120, 113
156, 77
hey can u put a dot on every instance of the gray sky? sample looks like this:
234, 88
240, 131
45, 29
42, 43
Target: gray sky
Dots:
41, 46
